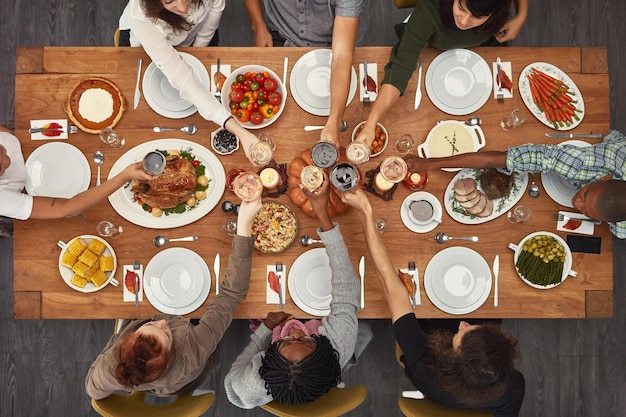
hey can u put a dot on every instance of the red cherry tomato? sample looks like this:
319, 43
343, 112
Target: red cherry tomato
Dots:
195, 162
236, 95
256, 117
274, 97
270, 84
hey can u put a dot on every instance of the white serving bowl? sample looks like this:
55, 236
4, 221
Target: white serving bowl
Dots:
254, 68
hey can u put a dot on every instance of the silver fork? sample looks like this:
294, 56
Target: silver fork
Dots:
499, 93
413, 284
366, 94
136, 269
218, 82
279, 273
562, 217
70, 129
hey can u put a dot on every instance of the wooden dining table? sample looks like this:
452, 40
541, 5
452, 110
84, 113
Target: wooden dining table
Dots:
45, 76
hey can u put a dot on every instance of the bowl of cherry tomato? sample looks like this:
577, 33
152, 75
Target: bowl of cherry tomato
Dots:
254, 95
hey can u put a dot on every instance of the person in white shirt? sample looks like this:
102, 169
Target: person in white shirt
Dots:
14, 203
161, 25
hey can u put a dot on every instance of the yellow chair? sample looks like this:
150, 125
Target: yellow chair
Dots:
116, 37
334, 403
405, 4
116, 405
430, 408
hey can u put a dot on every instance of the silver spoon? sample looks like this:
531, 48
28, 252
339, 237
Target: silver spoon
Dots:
533, 190
160, 241
189, 129
98, 158
342, 128
443, 238
473, 121
307, 240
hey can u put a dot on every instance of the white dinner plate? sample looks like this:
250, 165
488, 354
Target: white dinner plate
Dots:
165, 99
57, 169
309, 282
177, 281
457, 280
122, 199
500, 205
407, 217
310, 82
557, 186
551, 70
458, 81
67, 274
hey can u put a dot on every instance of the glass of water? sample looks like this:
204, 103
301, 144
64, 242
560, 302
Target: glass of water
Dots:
112, 138
513, 120
109, 229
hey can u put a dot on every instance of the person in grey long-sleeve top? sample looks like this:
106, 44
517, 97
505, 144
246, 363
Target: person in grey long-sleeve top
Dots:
295, 362
167, 355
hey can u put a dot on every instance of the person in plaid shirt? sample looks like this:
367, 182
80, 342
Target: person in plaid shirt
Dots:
597, 170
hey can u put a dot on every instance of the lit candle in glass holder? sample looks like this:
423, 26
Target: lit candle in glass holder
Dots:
381, 184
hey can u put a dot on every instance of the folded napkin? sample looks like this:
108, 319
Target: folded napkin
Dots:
49, 135
129, 295
272, 296
372, 72
224, 69
418, 299
506, 68
573, 226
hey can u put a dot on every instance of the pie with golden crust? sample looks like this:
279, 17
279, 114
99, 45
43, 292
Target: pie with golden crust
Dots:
95, 104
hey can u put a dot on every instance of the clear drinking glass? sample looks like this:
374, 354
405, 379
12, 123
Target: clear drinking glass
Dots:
513, 120
311, 177
404, 144
109, 136
381, 224
519, 214
261, 153
358, 152
109, 229
154, 163
248, 186
230, 226
393, 169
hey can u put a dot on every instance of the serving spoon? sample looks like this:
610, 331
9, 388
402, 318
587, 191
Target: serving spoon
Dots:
307, 240
533, 190
189, 129
98, 159
473, 121
443, 238
342, 128
160, 241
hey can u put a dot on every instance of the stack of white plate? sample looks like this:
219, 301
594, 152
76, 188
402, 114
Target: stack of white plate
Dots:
309, 282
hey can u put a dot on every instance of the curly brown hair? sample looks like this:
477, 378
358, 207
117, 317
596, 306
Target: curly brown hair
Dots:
155, 10
141, 358
497, 10
480, 370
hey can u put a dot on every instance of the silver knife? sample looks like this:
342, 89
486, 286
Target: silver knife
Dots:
418, 92
574, 135
136, 269
218, 81
362, 275
496, 270
137, 92
216, 268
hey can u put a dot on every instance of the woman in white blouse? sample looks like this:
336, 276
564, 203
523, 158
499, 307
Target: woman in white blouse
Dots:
159, 26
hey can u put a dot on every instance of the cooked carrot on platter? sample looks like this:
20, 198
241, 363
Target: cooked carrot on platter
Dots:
553, 97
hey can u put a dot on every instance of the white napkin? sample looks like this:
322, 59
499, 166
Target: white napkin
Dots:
224, 69
506, 67
129, 296
271, 295
372, 71
585, 228
418, 299
42, 123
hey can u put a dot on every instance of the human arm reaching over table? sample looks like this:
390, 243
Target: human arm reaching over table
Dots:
397, 299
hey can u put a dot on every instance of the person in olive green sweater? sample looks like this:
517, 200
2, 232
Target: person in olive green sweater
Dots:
442, 24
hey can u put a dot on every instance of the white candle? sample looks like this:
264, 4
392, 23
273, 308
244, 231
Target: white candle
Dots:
380, 184
270, 178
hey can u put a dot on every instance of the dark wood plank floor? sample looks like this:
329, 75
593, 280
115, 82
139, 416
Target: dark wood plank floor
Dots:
573, 368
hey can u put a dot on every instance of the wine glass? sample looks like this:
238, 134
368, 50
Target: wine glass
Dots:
230, 226
109, 136
513, 120
404, 144
519, 214
109, 229
381, 224
248, 186
261, 153
358, 152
